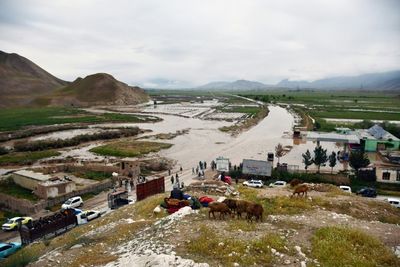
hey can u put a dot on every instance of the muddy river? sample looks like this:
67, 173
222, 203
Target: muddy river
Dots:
205, 142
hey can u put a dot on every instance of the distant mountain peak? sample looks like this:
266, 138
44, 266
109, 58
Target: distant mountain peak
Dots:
236, 85
372, 81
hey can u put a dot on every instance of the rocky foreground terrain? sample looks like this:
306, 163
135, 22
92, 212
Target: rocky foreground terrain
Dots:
328, 228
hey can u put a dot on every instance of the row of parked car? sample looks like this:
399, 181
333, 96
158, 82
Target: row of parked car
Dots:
7, 249
260, 184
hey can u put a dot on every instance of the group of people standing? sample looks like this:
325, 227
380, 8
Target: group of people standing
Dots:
175, 180
200, 168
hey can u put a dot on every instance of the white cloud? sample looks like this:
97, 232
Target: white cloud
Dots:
204, 40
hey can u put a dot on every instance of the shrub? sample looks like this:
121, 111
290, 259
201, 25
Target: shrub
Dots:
335, 246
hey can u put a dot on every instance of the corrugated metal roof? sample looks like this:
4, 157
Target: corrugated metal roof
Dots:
333, 137
377, 131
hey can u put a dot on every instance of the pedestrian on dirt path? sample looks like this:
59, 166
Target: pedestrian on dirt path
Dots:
182, 185
172, 179
177, 180
205, 165
169, 171
201, 165
192, 170
197, 170
181, 169
176, 176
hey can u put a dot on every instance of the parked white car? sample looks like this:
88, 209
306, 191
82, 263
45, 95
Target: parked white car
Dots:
71, 203
91, 214
345, 188
395, 202
278, 184
253, 183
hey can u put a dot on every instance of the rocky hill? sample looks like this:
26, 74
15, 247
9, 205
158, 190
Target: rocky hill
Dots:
97, 89
21, 80
327, 228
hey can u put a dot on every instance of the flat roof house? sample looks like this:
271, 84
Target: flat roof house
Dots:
43, 185
29, 179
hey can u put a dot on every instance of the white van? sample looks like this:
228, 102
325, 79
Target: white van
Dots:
345, 188
73, 202
394, 202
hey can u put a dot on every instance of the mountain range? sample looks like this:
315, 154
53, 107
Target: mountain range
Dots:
23, 83
383, 81
236, 85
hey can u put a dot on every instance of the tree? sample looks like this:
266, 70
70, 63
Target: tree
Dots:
307, 159
332, 160
320, 157
358, 159
279, 152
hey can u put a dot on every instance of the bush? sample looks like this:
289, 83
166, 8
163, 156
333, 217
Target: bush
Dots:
3, 150
59, 143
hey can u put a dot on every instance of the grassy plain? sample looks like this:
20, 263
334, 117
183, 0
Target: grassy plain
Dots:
14, 119
129, 148
22, 158
337, 104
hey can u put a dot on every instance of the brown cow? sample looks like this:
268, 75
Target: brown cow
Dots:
222, 208
241, 206
231, 203
255, 210
300, 189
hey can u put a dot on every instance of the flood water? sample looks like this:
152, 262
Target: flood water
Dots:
205, 142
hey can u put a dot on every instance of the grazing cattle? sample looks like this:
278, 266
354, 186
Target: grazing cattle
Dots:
300, 189
241, 206
222, 208
254, 210
231, 203
295, 182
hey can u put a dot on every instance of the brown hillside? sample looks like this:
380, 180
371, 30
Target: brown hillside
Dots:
21, 80
98, 89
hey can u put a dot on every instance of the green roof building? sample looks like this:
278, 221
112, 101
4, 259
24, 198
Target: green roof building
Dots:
376, 138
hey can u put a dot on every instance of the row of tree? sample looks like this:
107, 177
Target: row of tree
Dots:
357, 159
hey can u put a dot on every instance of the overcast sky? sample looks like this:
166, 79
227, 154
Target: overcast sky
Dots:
193, 42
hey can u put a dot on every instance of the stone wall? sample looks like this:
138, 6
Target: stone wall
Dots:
19, 205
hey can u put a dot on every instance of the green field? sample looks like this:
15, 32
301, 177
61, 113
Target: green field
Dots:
129, 148
247, 110
14, 119
22, 158
336, 105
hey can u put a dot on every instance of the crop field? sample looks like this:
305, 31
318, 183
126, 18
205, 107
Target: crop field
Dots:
14, 119
336, 105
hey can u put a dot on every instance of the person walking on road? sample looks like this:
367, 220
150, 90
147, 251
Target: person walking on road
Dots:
192, 170
172, 179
